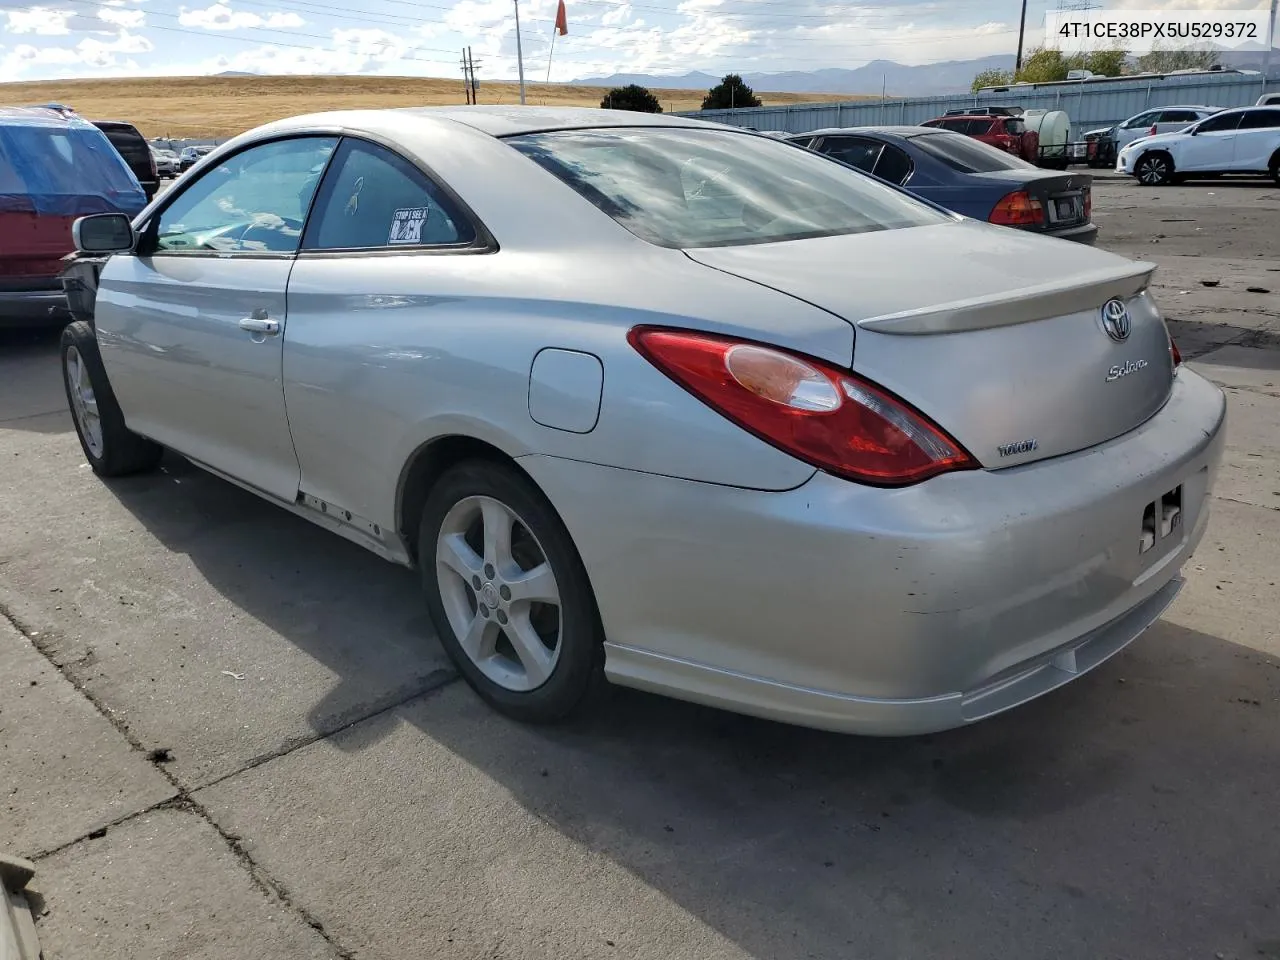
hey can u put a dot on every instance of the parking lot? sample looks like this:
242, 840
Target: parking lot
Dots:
229, 734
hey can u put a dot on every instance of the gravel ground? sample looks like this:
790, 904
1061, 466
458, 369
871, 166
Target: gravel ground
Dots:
225, 733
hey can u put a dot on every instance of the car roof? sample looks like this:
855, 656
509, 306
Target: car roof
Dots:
40, 117
497, 121
905, 132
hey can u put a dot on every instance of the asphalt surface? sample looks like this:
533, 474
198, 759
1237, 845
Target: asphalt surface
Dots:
225, 733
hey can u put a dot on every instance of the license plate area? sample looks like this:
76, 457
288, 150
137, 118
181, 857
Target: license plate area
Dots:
1066, 209
1161, 519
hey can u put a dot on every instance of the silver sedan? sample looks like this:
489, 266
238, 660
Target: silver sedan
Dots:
665, 403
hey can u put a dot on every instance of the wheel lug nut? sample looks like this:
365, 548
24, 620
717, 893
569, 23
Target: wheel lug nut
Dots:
488, 571
505, 592
502, 617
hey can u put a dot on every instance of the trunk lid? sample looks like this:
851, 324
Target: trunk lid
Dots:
1062, 196
1003, 344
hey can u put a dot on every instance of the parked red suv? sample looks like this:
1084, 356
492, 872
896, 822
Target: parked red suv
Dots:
54, 167
1007, 133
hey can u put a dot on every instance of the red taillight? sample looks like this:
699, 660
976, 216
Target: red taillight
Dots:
1152, 131
1018, 209
1175, 352
1088, 204
827, 417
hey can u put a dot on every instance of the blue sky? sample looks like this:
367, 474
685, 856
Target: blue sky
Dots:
87, 38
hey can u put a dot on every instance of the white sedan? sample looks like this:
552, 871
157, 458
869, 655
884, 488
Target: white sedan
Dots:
666, 403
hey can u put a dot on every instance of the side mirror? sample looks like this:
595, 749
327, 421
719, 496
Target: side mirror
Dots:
103, 233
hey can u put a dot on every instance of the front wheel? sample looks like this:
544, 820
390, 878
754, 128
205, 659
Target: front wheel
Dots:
1154, 170
508, 593
112, 449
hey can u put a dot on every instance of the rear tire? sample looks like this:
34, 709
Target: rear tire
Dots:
1274, 167
508, 593
112, 449
1154, 169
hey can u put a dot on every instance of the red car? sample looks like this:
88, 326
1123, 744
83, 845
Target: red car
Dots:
1007, 133
54, 167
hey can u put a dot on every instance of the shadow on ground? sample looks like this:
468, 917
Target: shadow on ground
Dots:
1130, 814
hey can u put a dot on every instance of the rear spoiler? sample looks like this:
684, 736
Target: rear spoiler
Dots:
1024, 305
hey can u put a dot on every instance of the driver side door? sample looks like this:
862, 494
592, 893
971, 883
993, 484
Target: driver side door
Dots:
191, 326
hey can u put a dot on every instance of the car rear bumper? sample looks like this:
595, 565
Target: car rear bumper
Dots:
1083, 233
890, 612
33, 307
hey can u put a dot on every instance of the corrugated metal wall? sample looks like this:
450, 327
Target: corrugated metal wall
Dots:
1087, 105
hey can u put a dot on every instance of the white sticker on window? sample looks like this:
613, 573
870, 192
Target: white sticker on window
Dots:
406, 224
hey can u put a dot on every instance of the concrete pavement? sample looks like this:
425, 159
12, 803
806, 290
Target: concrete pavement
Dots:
285, 766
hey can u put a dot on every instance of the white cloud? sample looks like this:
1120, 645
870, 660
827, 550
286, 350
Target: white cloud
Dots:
353, 51
89, 52
128, 19
41, 21
220, 16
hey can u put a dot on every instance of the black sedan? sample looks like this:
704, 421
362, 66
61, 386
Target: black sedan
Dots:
965, 176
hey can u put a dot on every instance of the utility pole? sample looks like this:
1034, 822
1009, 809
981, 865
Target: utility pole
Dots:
1266, 57
1022, 30
466, 76
520, 51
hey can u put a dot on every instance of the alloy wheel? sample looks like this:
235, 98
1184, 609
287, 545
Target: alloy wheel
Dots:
1153, 171
84, 405
499, 593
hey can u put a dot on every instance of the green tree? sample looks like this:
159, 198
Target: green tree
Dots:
1166, 61
631, 97
992, 78
1042, 65
1105, 63
730, 93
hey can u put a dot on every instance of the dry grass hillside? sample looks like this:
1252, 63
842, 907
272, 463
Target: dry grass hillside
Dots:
223, 106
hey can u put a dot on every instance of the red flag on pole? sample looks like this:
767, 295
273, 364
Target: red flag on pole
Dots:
562, 23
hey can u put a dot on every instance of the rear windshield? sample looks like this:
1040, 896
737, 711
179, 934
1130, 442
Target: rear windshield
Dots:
968, 155
64, 170
702, 188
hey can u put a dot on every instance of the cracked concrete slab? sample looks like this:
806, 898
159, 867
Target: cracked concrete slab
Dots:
66, 770
164, 886
210, 622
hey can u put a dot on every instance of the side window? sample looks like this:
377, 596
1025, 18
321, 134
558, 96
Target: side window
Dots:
1219, 123
254, 202
852, 150
1260, 120
373, 198
1015, 128
1141, 120
893, 165
1178, 116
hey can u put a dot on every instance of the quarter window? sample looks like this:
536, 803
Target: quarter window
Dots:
373, 198
893, 165
253, 202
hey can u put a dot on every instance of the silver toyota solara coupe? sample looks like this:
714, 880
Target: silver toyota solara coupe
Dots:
666, 403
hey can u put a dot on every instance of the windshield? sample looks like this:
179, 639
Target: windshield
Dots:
702, 188
968, 155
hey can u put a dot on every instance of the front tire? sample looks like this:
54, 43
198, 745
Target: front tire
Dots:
1274, 167
508, 593
112, 449
1154, 169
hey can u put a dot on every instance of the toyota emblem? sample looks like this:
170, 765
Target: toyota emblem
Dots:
1115, 320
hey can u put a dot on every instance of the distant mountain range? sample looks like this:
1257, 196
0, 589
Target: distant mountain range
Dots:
897, 79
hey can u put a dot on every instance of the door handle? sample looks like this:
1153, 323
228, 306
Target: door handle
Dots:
260, 324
